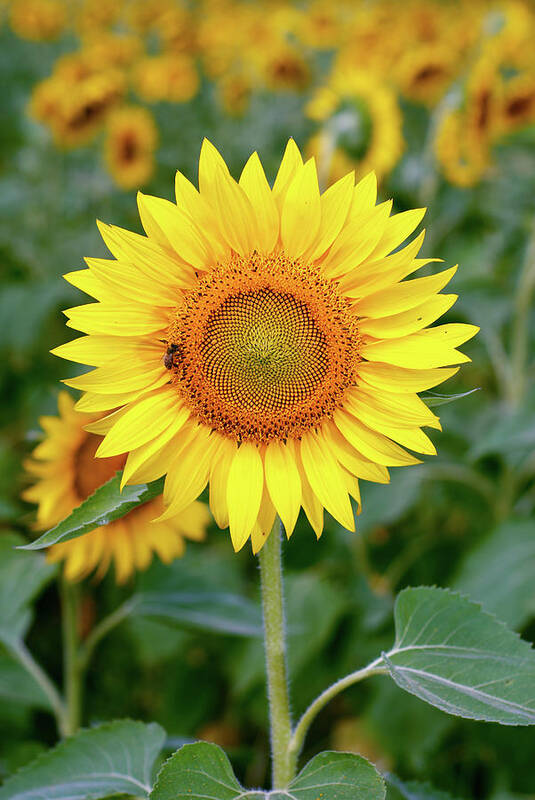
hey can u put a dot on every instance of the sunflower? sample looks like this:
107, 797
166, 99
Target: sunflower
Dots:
131, 139
38, 20
362, 125
65, 472
261, 340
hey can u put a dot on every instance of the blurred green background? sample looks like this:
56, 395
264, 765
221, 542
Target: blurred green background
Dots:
464, 519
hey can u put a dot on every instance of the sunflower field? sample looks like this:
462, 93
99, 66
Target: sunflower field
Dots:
267, 492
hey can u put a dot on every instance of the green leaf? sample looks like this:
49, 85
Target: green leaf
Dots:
514, 434
105, 505
217, 612
198, 770
344, 776
22, 577
16, 688
460, 659
499, 572
412, 790
434, 399
203, 770
114, 758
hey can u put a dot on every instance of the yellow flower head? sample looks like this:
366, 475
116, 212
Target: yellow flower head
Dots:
170, 76
362, 125
77, 110
131, 139
260, 340
65, 472
38, 20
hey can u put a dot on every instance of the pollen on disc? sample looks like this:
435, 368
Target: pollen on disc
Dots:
265, 349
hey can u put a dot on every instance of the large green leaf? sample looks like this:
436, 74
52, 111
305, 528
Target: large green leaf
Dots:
22, 577
105, 505
114, 758
202, 770
499, 572
218, 612
460, 659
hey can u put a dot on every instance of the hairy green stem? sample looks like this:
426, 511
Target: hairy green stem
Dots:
275, 648
72, 674
298, 736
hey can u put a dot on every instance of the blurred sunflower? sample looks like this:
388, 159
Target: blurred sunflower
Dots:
362, 125
66, 472
261, 340
131, 139
38, 20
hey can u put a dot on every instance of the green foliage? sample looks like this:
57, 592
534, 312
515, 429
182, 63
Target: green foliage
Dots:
207, 611
21, 580
460, 659
499, 572
202, 770
412, 790
105, 505
115, 758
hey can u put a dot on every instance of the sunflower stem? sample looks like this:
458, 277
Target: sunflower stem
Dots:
298, 737
72, 674
275, 647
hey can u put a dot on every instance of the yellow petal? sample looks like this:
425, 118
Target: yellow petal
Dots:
355, 242
371, 276
141, 455
195, 206
335, 203
143, 421
219, 471
254, 183
403, 296
353, 461
291, 162
408, 321
398, 228
371, 444
244, 492
382, 422
156, 262
188, 473
235, 212
129, 320
95, 351
405, 410
283, 483
364, 196
433, 347
180, 232
116, 378
301, 211
126, 280
400, 379
325, 478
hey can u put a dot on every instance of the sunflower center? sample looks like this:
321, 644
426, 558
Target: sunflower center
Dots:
263, 348
90, 472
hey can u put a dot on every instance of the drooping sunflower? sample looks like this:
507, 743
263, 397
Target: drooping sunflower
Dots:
65, 472
262, 340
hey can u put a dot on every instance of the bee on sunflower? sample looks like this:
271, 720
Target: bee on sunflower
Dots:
263, 341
